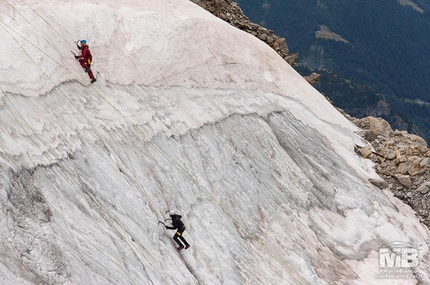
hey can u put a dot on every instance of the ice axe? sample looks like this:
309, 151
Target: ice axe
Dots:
165, 220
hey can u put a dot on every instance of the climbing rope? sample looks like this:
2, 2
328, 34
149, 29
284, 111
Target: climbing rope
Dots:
190, 177
79, 181
101, 139
65, 219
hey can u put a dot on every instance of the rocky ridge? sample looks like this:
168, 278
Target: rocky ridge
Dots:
401, 159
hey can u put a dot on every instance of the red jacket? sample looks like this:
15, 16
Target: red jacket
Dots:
86, 54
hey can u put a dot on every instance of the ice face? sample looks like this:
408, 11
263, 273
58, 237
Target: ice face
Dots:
258, 163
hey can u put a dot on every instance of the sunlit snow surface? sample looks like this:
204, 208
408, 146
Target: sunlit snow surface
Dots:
190, 114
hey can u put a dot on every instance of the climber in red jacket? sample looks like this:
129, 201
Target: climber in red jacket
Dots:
85, 59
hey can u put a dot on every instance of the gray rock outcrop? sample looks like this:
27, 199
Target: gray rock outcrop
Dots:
401, 159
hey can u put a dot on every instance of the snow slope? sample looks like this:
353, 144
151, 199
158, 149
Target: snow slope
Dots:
190, 114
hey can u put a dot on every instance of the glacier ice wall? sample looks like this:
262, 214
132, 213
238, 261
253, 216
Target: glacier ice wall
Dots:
189, 114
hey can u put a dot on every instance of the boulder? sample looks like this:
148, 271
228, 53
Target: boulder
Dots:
313, 78
404, 167
416, 140
424, 188
363, 151
390, 154
291, 58
405, 180
377, 125
370, 136
416, 168
400, 159
380, 183
425, 162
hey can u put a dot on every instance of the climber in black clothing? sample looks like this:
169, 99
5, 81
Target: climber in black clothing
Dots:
179, 226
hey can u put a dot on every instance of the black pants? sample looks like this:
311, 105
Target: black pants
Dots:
178, 236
